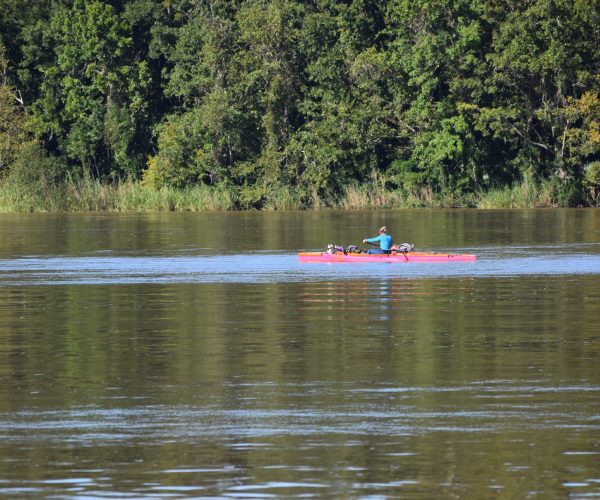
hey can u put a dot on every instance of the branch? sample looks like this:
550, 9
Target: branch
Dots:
19, 97
525, 138
564, 140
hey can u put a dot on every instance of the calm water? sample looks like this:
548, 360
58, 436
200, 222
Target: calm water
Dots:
191, 355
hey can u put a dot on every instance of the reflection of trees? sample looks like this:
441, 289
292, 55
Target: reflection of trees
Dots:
424, 331
292, 355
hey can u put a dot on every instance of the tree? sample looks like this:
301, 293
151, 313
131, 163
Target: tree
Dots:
13, 132
209, 131
92, 98
543, 58
439, 51
445, 97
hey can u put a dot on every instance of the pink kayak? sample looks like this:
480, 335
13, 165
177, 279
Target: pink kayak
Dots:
399, 257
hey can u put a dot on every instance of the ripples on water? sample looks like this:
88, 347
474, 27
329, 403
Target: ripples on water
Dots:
264, 267
250, 375
398, 421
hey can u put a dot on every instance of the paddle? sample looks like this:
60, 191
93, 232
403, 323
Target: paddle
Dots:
372, 244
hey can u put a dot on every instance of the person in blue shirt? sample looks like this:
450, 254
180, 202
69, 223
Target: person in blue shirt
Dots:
385, 242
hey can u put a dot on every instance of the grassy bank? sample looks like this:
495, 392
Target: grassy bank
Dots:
93, 196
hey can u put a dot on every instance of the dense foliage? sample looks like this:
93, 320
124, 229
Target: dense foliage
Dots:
427, 98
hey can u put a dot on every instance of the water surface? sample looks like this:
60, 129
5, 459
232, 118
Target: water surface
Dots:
192, 355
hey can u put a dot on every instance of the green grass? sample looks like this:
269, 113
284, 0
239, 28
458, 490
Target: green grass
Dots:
285, 198
93, 196
370, 195
525, 194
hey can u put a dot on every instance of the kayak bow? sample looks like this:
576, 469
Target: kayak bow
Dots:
399, 257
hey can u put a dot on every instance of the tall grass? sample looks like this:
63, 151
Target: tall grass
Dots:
89, 195
371, 194
368, 196
375, 195
526, 194
92, 196
285, 198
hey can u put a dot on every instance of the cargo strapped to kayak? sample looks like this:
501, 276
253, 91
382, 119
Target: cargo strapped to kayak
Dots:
403, 248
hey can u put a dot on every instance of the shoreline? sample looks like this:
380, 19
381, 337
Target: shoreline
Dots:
132, 196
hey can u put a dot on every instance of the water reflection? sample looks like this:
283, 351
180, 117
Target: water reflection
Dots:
150, 366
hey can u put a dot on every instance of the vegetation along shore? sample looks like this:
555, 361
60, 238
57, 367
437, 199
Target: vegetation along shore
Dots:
283, 104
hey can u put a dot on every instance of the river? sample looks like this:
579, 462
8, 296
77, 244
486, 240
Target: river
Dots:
177, 355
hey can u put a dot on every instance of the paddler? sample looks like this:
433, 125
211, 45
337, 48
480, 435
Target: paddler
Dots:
385, 242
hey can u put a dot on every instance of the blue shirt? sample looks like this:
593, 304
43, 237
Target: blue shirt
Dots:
385, 241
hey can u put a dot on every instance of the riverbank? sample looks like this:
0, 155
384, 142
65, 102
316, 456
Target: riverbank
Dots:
128, 196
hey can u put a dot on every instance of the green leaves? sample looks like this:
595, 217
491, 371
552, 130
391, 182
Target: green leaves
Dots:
93, 99
13, 132
447, 96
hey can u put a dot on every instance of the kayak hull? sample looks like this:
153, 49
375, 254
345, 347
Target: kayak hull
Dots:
400, 257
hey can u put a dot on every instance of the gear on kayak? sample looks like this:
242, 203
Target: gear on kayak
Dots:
402, 248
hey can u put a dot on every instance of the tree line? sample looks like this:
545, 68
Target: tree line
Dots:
448, 97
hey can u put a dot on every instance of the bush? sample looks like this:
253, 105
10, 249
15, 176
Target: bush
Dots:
33, 182
591, 182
